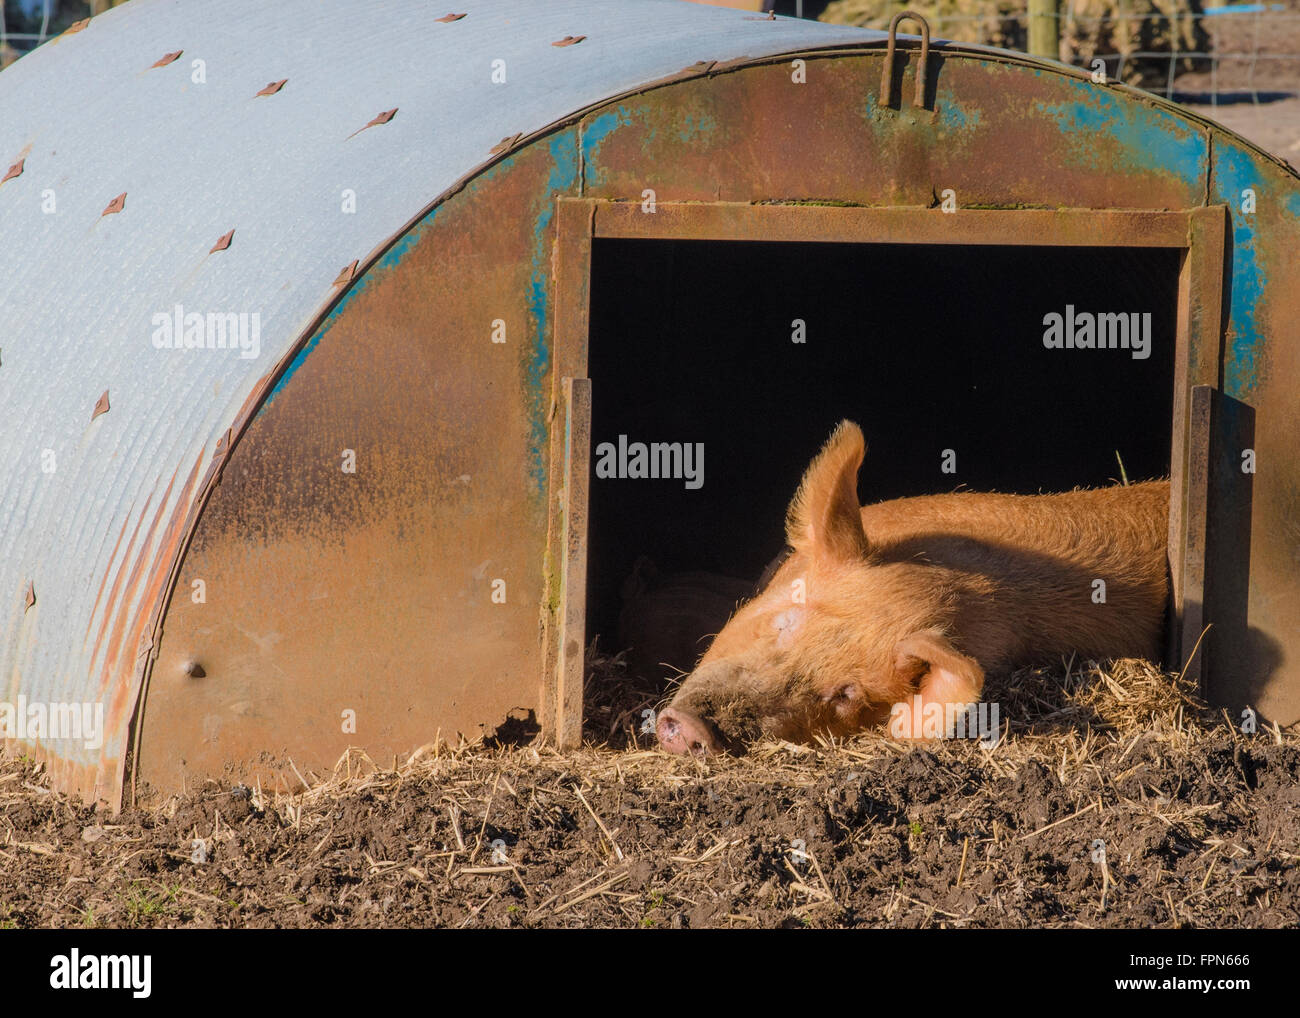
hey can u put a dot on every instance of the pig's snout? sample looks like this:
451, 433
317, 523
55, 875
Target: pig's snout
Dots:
681, 732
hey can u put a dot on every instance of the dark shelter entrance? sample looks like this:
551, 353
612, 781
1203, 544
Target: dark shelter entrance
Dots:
937, 351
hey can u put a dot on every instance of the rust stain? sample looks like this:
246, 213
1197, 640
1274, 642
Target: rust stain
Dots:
505, 144
86, 780
125, 626
222, 243
116, 205
348, 274
448, 18
101, 406
99, 594
29, 596
272, 87
569, 40
379, 118
166, 59
119, 577
135, 629
14, 171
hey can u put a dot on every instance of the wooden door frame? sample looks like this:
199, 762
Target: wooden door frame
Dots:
1200, 234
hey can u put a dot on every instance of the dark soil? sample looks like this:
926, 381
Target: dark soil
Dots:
1200, 826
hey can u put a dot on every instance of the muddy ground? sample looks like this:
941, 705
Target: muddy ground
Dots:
1200, 826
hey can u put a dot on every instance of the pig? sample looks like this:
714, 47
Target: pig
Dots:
667, 618
913, 601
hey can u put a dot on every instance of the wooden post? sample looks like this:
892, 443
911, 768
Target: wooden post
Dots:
1044, 29
570, 668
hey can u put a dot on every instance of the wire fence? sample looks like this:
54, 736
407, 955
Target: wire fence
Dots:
25, 24
13, 44
1228, 53
1213, 55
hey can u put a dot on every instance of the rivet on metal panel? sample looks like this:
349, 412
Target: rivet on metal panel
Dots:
101, 406
195, 670
76, 26
505, 144
166, 59
380, 118
348, 274
887, 76
222, 243
116, 205
14, 171
446, 18
569, 40
29, 595
272, 87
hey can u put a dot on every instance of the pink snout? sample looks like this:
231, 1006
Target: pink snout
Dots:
681, 732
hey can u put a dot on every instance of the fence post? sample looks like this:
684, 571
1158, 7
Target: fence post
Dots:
1044, 29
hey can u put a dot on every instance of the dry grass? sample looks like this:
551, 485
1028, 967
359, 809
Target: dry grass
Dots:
865, 830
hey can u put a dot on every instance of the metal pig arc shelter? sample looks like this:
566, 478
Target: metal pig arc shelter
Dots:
1197, 233
432, 332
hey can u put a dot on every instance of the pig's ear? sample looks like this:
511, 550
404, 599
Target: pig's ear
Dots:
825, 518
939, 672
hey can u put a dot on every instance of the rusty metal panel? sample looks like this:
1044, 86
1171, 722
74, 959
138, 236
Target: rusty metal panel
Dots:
1260, 367
401, 583
997, 134
129, 174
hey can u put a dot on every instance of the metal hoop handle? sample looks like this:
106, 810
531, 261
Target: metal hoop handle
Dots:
887, 77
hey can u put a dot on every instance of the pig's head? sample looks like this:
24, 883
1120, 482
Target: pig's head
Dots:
837, 636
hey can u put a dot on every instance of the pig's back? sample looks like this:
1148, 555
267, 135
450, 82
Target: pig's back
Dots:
1027, 566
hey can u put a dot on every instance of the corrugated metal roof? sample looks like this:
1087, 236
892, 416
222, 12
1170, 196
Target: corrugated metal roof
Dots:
159, 101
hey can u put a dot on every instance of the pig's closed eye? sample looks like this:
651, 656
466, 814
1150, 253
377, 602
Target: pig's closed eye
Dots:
841, 694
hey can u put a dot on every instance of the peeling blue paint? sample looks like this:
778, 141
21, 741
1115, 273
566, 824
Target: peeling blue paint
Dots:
563, 179
953, 118
694, 128
600, 127
1234, 171
1149, 138
390, 259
